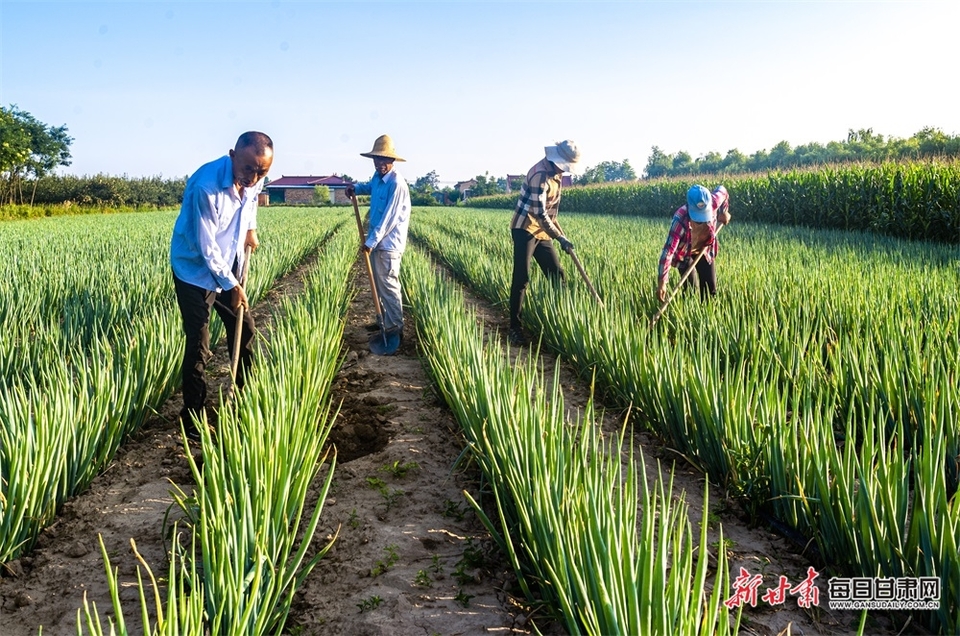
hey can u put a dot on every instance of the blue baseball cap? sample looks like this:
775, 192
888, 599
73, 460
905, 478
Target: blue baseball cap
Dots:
700, 204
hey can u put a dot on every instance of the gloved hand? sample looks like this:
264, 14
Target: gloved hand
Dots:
565, 244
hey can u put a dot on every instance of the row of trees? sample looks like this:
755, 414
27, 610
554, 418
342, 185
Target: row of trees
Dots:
860, 146
607, 171
603, 172
29, 149
108, 191
426, 190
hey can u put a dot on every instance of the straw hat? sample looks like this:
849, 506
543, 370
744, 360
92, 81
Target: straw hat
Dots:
564, 155
383, 147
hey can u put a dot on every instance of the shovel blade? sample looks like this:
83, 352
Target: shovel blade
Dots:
384, 344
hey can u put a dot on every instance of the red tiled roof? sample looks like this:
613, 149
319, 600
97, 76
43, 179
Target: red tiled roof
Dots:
307, 182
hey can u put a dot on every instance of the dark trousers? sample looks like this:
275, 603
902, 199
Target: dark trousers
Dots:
703, 277
195, 304
525, 247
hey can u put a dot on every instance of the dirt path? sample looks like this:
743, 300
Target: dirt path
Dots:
410, 557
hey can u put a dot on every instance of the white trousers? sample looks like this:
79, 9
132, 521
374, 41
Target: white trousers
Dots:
386, 274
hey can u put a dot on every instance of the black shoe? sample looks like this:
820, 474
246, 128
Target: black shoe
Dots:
189, 428
517, 337
372, 327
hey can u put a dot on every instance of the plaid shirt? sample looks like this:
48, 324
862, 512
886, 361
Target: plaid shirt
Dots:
539, 203
679, 245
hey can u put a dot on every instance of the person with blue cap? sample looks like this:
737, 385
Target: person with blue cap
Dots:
692, 232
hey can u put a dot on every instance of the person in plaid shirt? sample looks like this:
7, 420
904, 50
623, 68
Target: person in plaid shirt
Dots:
534, 226
694, 230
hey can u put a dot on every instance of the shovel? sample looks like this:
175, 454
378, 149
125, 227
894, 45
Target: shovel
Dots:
384, 344
683, 279
235, 359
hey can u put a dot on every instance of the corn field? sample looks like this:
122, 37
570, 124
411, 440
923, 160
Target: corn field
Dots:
917, 200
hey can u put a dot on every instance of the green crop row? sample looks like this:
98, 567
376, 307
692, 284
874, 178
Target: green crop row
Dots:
248, 517
607, 552
819, 386
909, 200
92, 344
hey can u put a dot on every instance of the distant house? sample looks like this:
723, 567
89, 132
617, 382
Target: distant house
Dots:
566, 180
300, 189
463, 187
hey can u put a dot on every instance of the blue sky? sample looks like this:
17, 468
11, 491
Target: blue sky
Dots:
465, 88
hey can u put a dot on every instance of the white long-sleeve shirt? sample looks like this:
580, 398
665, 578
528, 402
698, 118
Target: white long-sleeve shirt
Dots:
212, 227
389, 211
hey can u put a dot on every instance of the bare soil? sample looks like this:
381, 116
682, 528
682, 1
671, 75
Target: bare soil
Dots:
409, 557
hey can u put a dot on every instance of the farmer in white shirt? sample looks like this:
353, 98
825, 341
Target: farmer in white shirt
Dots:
218, 219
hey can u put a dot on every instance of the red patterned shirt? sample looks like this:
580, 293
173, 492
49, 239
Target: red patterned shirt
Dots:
679, 244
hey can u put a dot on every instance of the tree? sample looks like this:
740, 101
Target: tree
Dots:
427, 183
607, 171
863, 144
757, 161
451, 195
859, 145
14, 142
321, 195
487, 185
682, 163
734, 162
710, 163
931, 142
658, 165
809, 154
29, 148
780, 156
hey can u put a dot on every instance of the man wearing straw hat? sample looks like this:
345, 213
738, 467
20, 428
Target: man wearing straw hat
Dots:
534, 226
387, 232
694, 230
218, 219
